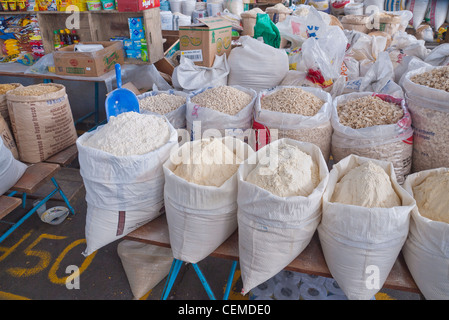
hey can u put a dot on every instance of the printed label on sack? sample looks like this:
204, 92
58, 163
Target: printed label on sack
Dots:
194, 55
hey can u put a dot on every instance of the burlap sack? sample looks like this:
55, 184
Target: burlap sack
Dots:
42, 124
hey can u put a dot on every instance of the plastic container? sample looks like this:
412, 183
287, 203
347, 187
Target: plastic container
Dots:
94, 5
166, 20
175, 6
214, 7
108, 4
187, 7
354, 9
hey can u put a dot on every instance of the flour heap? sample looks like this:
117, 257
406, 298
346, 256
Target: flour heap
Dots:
131, 133
285, 171
432, 198
210, 164
366, 185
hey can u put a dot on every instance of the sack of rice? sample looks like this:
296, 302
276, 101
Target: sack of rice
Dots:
5, 87
298, 113
374, 126
171, 104
200, 195
219, 111
41, 120
426, 252
121, 166
427, 95
364, 224
279, 207
11, 170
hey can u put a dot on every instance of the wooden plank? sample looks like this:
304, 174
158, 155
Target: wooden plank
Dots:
35, 176
64, 157
153, 34
8, 204
310, 261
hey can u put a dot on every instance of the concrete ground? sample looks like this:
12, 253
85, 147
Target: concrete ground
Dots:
37, 258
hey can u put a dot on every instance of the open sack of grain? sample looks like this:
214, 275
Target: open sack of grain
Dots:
11, 170
426, 250
171, 104
373, 126
364, 224
5, 87
41, 120
200, 195
427, 95
219, 110
298, 113
279, 207
121, 166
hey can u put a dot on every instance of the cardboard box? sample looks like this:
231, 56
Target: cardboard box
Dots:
201, 42
136, 5
88, 64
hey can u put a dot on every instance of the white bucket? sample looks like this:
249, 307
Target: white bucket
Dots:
175, 6
187, 7
354, 9
378, 3
166, 20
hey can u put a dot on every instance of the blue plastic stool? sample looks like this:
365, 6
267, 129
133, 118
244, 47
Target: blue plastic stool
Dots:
173, 273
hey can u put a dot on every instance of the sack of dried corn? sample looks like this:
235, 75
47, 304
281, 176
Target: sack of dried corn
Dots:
42, 120
375, 126
171, 104
297, 113
220, 111
427, 95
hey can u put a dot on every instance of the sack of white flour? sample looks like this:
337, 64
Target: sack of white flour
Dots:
364, 224
427, 96
11, 170
376, 126
216, 111
279, 207
200, 195
301, 114
426, 250
121, 166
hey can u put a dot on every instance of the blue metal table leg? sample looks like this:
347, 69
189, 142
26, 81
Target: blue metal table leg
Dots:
176, 266
58, 188
230, 278
203, 281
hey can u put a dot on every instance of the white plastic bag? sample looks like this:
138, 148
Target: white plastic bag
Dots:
439, 56
393, 143
426, 252
360, 245
215, 120
316, 129
274, 230
200, 218
189, 77
11, 170
256, 65
436, 13
122, 192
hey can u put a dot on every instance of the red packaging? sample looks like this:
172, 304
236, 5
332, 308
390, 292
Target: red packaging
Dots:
136, 5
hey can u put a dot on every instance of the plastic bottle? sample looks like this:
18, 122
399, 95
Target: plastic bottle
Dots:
68, 37
75, 37
62, 37
56, 40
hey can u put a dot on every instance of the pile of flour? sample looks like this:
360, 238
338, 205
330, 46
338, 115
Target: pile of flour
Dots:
130, 133
367, 185
432, 198
210, 164
285, 171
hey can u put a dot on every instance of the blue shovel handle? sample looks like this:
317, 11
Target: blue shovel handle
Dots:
118, 75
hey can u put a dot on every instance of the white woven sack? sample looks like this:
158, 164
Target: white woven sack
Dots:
209, 119
122, 192
360, 245
274, 230
426, 251
316, 129
200, 218
11, 170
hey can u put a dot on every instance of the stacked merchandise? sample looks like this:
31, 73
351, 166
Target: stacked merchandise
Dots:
136, 45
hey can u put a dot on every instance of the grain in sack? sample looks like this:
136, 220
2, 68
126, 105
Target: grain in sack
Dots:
279, 207
426, 252
5, 87
42, 121
364, 224
427, 95
298, 113
121, 166
219, 111
374, 126
200, 195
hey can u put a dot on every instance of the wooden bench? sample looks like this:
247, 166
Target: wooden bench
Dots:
310, 261
34, 177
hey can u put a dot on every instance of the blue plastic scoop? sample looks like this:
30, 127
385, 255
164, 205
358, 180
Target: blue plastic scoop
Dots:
121, 99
